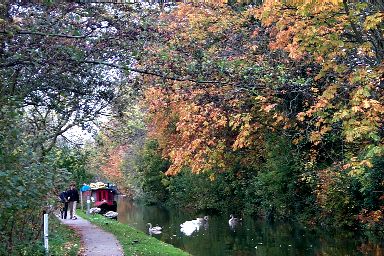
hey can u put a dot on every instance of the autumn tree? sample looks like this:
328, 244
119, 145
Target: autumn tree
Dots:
345, 41
310, 72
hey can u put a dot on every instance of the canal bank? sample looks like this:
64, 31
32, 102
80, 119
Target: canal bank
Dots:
94, 240
133, 241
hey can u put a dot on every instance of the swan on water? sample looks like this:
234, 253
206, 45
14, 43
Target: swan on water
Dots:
233, 221
190, 226
154, 230
202, 219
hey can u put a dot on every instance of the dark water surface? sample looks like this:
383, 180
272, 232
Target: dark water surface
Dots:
251, 237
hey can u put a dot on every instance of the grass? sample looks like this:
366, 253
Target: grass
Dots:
63, 241
133, 241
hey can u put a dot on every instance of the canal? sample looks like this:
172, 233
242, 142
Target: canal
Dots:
249, 237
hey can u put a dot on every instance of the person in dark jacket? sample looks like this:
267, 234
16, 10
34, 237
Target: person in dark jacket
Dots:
73, 198
64, 207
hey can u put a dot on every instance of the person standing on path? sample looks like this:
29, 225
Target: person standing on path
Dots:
73, 198
64, 208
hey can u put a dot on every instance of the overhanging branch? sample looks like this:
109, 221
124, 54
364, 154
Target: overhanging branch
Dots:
147, 72
25, 32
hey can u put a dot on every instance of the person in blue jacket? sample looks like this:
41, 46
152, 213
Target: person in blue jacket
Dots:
64, 207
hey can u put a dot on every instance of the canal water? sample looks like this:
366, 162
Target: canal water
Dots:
249, 237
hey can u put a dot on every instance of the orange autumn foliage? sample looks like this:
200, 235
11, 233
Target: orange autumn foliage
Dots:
111, 168
245, 90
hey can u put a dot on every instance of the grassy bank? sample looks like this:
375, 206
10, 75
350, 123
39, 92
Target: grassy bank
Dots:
63, 241
134, 242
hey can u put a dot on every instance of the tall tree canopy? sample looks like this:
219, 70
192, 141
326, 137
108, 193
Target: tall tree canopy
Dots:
308, 72
278, 67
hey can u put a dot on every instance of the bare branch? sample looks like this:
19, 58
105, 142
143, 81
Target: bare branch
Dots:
26, 32
147, 72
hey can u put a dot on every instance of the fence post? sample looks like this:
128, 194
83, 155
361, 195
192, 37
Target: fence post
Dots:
46, 233
88, 204
81, 199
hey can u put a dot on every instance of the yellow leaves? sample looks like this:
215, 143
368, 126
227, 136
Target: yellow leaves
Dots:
269, 107
373, 21
330, 92
235, 121
365, 49
195, 144
358, 167
366, 104
301, 116
241, 140
366, 163
316, 136
314, 90
201, 23
297, 140
356, 109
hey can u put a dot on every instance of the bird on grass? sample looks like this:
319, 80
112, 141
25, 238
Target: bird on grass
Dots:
111, 215
94, 210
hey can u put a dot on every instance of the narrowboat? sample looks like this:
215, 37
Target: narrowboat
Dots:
104, 196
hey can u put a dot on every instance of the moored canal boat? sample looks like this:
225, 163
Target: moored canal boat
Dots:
103, 195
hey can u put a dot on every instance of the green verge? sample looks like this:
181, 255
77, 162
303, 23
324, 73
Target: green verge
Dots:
63, 241
133, 241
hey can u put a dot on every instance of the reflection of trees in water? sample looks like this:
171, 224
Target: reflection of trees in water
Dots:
371, 249
124, 209
253, 237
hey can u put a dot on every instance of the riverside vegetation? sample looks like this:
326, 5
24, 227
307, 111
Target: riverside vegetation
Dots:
273, 109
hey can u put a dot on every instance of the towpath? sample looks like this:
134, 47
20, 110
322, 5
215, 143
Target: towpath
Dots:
96, 242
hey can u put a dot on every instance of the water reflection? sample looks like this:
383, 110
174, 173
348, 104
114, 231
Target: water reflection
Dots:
248, 237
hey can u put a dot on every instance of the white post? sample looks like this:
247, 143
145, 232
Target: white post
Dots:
46, 233
88, 204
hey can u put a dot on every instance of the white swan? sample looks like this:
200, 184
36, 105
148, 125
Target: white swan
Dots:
233, 221
190, 226
154, 229
94, 210
203, 219
111, 214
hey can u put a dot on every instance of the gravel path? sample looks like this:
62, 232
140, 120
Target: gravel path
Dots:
96, 242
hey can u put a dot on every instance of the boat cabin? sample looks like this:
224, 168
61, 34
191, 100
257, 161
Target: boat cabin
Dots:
104, 196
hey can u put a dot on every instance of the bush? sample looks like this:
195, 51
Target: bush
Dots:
151, 168
275, 191
28, 180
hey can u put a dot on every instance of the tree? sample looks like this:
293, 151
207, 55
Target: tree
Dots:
59, 69
310, 72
